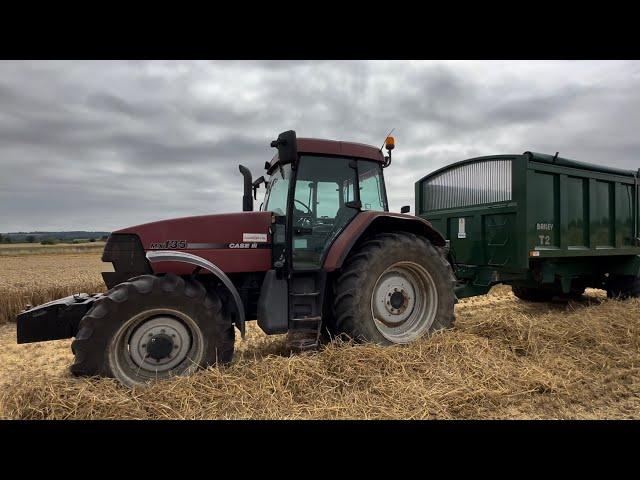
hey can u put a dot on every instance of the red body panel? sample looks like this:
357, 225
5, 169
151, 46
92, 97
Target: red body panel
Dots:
334, 147
222, 229
346, 149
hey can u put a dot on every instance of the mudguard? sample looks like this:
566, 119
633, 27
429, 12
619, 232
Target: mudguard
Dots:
173, 256
380, 222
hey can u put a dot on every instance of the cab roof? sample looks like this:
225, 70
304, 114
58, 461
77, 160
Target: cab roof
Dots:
337, 148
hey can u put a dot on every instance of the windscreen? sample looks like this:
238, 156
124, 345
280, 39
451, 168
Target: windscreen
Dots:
277, 190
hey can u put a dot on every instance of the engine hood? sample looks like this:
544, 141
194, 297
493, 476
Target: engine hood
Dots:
236, 242
204, 229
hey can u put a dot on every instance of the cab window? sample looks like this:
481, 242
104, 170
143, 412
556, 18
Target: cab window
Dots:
372, 194
323, 187
278, 189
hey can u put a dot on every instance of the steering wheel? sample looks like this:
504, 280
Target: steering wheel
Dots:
303, 219
304, 205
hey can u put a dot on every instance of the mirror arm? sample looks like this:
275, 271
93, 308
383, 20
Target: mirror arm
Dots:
256, 184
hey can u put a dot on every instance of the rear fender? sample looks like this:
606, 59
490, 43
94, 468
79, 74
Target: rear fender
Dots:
368, 223
183, 257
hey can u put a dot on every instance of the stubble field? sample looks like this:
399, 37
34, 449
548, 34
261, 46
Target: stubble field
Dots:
504, 359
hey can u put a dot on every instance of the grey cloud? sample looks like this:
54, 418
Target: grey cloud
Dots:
107, 102
539, 108
103, 145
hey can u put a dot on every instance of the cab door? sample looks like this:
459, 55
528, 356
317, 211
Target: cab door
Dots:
324, 186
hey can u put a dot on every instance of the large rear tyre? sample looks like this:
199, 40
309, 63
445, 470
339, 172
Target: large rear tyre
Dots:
623, 286
395, 288
150, 328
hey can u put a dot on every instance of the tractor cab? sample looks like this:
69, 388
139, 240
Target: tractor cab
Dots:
316, 188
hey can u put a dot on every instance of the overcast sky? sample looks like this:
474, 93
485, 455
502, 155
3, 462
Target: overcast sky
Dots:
103, 145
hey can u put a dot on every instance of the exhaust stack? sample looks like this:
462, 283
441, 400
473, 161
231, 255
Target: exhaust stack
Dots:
247, 200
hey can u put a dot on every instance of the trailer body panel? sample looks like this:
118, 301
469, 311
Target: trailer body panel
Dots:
509, 218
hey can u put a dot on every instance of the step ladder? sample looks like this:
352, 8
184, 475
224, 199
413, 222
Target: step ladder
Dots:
305, 309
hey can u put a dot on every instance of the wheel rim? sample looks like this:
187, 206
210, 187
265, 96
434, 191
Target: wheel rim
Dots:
156, 344
404, 302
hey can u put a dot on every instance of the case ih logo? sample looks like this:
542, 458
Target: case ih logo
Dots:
169, 244
243, 245
184, 245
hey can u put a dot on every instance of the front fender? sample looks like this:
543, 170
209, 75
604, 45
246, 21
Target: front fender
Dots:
183, 257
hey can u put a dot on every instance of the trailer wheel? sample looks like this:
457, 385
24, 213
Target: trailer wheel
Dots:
394, 288
152, 327
577, 293
529, 294
623, 286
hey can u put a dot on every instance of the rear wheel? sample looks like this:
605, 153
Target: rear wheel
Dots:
153, 328
395, 288
623, 286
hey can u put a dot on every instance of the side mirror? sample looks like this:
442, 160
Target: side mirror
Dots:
287, 146
405, 209
255, 186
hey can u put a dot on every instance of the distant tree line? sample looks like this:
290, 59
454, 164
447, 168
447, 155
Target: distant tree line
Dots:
52, 238
54, 241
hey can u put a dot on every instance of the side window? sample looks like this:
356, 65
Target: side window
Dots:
303, 197
372, 193
328, 201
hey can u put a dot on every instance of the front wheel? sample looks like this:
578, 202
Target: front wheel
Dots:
395, 288
152, 328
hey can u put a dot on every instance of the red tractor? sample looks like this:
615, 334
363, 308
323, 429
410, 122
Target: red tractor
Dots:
322, 257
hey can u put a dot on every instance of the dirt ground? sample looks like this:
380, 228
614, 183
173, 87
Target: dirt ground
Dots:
504, 359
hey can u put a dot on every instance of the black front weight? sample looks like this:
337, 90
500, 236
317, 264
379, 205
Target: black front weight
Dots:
54, 320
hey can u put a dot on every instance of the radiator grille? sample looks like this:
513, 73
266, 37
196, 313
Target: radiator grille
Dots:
476, 183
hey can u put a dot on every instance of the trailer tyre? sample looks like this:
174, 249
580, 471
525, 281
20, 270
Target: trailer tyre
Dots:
623, 286
153, 327
394, 288
529, 294
532, 294
577, 293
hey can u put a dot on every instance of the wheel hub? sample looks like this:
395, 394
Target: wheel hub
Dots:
404, 302
398, 300
395, 296
159, 344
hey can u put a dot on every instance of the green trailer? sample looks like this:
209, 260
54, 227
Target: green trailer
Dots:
545, 225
